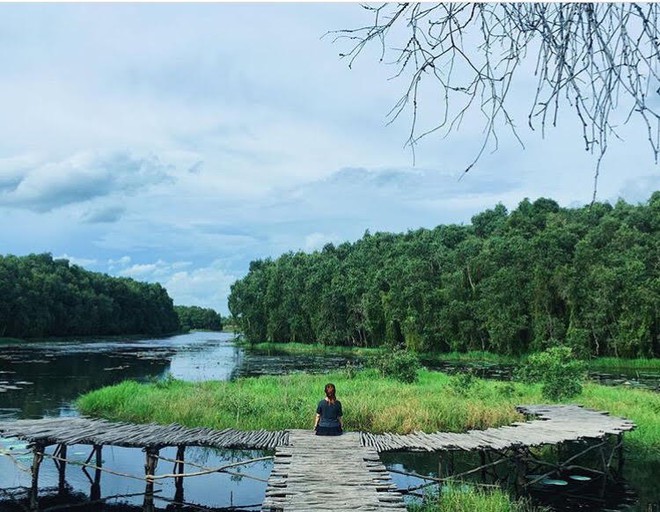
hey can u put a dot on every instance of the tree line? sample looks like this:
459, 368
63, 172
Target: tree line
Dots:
195, 317
41, 296
509, 282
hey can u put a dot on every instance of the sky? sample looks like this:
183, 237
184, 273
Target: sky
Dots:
175, 143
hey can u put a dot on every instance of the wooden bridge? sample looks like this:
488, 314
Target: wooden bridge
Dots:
310, 473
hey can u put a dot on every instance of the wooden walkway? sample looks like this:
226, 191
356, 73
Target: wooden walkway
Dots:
80, 430
554, 424
313, 473
331, 474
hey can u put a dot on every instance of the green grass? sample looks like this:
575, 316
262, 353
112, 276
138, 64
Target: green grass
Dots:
600, 363
472, 356
457, 497
605, 363
308, 348
370, 403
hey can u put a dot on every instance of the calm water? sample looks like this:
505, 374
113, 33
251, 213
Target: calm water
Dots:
43, 379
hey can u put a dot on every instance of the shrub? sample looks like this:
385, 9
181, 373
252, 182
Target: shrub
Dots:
557, 368
399, 364
463, 383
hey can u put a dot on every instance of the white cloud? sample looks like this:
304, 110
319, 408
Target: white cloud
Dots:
180, 159
81, 177
206, 286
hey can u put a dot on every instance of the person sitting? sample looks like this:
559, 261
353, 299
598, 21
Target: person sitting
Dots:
328, 420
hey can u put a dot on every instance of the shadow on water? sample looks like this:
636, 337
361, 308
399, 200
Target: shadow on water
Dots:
575, 488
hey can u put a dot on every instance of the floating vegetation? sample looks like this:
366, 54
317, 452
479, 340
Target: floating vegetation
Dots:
580, 478
553, 481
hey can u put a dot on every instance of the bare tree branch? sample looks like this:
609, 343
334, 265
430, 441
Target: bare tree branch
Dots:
590, 58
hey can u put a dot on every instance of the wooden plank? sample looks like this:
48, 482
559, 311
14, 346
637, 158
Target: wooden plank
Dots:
330, 474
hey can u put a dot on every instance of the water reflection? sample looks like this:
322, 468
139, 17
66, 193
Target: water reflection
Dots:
44, 379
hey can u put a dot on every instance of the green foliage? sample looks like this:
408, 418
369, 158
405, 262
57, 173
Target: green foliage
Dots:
561, 374
401, 365
507, 284
460, 497
370, 403
41, 296
194, 317
463, 383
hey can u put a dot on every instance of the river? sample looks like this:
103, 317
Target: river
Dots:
43, 380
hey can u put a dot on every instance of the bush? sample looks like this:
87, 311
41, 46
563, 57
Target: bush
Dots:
400, 365
463, 383
557, 368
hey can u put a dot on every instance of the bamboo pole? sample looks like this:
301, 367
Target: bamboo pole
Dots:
36, 463
61, 452
95, 491
205, 472
92, 466
149, 470
179, 467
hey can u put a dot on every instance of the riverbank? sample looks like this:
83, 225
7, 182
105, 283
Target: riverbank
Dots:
599, 363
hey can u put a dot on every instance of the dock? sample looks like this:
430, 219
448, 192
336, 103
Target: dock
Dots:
315, 473
554, 424
329, 474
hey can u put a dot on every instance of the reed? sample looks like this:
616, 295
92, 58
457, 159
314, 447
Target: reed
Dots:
371, 403
458, 497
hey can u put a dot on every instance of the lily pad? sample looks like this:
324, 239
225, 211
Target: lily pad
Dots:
553, 481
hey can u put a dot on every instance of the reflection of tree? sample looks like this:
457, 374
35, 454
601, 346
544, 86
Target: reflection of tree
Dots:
586, 56
67, 376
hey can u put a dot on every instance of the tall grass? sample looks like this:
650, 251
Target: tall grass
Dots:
614, 363
467, 498
370, 403
603, 363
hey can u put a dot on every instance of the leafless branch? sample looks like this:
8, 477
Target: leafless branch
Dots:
590, 58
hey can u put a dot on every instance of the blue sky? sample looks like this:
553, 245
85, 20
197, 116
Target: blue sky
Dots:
176, 143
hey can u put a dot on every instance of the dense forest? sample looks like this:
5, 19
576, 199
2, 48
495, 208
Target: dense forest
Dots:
41, 296
509, 283
194, 317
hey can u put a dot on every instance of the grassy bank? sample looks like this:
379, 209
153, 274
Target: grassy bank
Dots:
613, 363
308, 348
371, 403
436, 402
599, 363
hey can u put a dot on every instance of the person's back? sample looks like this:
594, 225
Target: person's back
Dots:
329, 414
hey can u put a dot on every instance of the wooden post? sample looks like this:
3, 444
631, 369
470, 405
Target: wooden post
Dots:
620, 454
439, 476
520, 469
36, 463
179, 469
149, 470
61, 468
482, 458
95, 492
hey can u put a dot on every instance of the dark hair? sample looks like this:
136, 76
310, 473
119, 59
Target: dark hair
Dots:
330, 392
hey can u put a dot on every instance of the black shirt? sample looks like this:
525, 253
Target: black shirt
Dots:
330, 413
